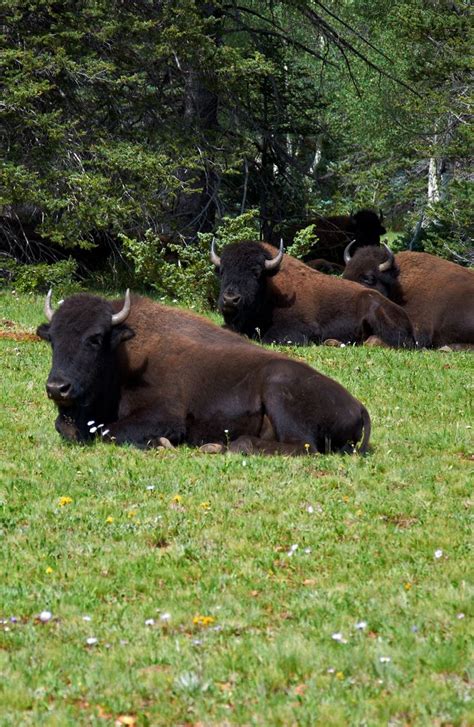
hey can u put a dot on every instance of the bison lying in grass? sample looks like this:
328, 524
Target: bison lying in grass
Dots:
136, 371
437, 295
267, 295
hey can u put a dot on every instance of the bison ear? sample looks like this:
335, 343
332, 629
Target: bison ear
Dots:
43, 332
121, 334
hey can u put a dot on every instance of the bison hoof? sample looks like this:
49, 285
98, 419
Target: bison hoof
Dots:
165, 443
212, 448
333, 342
375, 341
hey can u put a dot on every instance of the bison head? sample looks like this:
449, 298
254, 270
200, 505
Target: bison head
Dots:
84, 333
374, 267
243, 269
368, 227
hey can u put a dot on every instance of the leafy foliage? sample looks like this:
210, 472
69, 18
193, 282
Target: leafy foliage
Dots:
185, 271
39, 278
124, 117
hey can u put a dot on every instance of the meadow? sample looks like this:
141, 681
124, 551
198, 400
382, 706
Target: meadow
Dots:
177, 588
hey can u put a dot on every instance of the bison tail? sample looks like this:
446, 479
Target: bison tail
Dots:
363, 449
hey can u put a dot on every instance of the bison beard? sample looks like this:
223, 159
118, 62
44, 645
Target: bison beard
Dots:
169, 373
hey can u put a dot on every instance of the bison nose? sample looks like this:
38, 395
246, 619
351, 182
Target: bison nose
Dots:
231, 299
59, 389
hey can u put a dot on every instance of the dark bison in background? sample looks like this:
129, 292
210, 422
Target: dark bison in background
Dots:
136, 371
365, 227
437, 295
273, 297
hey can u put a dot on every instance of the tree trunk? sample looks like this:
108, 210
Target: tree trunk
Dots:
195, 209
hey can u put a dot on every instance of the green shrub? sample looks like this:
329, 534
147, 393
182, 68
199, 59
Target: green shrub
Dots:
185, 271
39, 278
303, 242
449, 235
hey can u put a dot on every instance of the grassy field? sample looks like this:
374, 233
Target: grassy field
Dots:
190, 589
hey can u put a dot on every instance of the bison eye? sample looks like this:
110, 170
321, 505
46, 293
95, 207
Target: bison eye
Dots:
95, 340
369, 279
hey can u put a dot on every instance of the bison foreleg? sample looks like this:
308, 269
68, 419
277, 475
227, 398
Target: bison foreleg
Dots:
144, 430
387, 321
294, 333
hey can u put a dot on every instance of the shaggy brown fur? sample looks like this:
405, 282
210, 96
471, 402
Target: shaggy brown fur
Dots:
169, 373
437, 295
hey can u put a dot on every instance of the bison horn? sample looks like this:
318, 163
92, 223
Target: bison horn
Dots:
214, 256
347, 252
381, 216
275, 262
122, 314
388, 263
48, 310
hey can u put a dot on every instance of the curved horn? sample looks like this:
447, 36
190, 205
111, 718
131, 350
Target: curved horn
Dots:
381, 216
48, 310
214, 256
275, 262
347, 252
122, 314
388, 263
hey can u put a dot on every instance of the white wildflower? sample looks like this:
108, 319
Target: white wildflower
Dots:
45, 616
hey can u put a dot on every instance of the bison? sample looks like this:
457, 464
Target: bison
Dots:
437, 295
365, 227
267, 295
134, 371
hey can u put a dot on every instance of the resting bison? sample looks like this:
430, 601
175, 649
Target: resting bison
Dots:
437, 295
276, 298
334, 233
135, 371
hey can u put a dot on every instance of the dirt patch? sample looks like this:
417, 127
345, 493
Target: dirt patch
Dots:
19, 336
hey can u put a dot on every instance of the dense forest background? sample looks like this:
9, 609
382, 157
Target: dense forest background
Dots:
131, 130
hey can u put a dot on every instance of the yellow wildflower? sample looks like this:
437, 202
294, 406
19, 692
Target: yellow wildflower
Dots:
205, 505
176, 499
407, 586
203, 620
131, 513
345, 498
109, 519
359, 513
65, 500
49, 570
339, 675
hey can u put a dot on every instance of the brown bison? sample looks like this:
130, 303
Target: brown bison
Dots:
437, 295
273, 297
134, 371
365, 227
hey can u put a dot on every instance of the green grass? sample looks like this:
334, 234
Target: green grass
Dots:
213, 539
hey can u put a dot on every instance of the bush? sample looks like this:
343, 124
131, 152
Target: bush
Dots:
303, 241
449, 234
39, 278
185, 271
